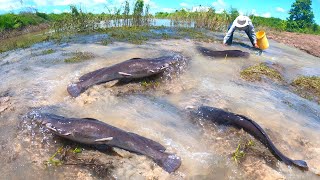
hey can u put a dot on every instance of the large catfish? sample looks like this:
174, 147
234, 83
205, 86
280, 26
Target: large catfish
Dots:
94, 132
220, 116
222, 54
130, 69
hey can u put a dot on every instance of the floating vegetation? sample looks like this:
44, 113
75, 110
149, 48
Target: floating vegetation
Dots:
79, 57
241, 150
148, 84
48, 51
77, 150
255, 73
308, 87
53, 161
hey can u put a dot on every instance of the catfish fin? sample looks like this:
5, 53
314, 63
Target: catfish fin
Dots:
124, 74
103, 139
92, 119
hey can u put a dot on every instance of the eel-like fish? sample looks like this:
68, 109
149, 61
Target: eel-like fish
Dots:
222, 54
130, 69
94, 132
220, 116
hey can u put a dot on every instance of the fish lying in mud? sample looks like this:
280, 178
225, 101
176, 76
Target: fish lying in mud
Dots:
220, 116
131, 69
222, 54
94, 132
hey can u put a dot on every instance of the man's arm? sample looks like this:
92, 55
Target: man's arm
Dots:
229, 33
252, 34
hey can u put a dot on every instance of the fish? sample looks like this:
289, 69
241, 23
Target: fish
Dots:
94, 132
222, 117
222, 54
134, 68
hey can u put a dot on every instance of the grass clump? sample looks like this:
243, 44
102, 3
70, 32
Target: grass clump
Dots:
308, 87
148, 84
255, 73
134, 35
48, 51
53, 161
79, 57
23, 41
240, 152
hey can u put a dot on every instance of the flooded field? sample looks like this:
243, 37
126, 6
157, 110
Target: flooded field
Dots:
35, 79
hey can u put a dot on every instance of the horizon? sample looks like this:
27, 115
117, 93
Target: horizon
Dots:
276, 9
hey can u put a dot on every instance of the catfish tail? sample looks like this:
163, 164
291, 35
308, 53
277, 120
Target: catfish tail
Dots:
169, 162
74, 90
300, 164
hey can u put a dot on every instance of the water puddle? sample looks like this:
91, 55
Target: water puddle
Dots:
35, 81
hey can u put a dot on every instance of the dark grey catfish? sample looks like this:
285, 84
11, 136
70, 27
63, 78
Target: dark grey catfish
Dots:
220, 116
222, 54
94, 132
130, 69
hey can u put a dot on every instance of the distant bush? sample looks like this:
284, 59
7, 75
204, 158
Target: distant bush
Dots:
17, 21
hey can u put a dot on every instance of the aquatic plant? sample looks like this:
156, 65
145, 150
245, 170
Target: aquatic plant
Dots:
255, 73
241, 150
77, 150
52, 161
79, 57
308, 87
148, 83
48, 51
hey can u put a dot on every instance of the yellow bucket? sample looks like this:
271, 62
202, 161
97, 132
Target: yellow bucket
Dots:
262, 40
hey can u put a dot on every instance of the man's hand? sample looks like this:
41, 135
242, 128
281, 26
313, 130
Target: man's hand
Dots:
256, 45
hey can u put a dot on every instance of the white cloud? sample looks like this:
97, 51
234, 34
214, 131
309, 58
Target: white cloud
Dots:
267, 15
279, 9
152, 4
220, 10
200, 9
219, 3
40, 2
56, 11
254, 12
168, 9
8, 5
183, 4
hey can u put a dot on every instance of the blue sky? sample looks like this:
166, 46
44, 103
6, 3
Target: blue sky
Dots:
266, 8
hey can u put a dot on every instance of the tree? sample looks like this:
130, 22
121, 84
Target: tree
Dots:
301, 15
138, 12
126, 13
234, 13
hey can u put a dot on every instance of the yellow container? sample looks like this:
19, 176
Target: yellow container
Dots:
262, 40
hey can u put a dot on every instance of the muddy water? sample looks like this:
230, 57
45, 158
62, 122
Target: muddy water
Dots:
36, 82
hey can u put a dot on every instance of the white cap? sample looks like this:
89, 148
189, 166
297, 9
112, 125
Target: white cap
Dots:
241, 21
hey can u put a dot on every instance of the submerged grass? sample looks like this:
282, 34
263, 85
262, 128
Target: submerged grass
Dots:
255, 73
241, 150
308, 87
79, 57
23, 41
139, 35
48, 51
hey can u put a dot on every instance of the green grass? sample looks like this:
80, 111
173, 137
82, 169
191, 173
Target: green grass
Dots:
308, 87
16, 21
23, 41
241, 149
48, 51
79, 57
255, 73
53, 161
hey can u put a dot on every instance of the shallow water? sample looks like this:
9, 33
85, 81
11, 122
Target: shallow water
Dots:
38, 82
